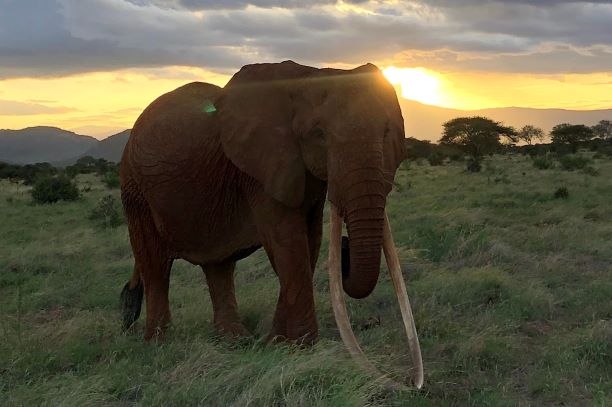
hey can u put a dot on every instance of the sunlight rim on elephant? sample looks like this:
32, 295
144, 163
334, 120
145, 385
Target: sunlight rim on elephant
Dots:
370, 126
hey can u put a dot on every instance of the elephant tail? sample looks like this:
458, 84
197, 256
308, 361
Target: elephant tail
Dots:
131, 300
133, 291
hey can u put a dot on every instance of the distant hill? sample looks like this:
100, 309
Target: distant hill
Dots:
110, 148
424, 122
42, 144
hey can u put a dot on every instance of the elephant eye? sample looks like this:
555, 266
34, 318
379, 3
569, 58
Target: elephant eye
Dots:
387, 130
315, 132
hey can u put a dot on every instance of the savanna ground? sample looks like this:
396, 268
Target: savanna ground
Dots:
511, 288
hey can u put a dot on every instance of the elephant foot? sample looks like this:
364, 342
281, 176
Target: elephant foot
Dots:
231, 329
155, 329
299, 334
157, 334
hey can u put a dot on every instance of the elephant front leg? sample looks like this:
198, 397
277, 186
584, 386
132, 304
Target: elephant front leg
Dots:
285, 238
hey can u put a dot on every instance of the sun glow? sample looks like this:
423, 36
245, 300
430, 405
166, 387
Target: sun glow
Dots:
417, 84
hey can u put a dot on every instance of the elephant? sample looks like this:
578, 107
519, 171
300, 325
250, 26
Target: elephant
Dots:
211, 174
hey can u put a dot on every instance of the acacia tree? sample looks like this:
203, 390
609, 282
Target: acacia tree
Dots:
476, 136
603, 129
571, 134
530, 133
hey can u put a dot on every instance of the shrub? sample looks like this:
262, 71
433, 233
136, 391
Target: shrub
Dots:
29, 173
571, 162
561, 193
606, 150
86, 187
48, 189
436, 158
111, 180
589, 170
88, 165
543, 162
107, 212
456, 157
474, 164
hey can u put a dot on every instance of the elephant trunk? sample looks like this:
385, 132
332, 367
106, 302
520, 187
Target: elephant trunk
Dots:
364, 220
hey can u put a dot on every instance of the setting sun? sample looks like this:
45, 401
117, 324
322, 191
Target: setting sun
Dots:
415, 83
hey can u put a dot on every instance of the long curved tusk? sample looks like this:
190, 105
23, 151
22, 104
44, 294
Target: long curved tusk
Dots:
339, 306
402, 298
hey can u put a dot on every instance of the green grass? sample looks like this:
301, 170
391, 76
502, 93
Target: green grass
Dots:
511, 289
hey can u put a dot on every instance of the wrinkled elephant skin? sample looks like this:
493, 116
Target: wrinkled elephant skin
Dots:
211, 174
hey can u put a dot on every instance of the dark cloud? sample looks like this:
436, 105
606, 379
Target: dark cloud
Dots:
556, 59
576, 23
237, 4
59, 37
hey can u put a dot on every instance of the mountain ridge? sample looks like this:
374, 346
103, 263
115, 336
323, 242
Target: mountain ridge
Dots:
41, 144
111, 147
423, 122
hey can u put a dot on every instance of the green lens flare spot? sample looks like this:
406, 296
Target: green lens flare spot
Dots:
208, 107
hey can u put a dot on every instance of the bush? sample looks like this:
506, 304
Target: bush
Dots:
544, 162
592, 171
107, 212
111, 180
48, 189
605, 151
561, 193
29, 173
436, 158
457, 156
88, 165
561, 149
571, 162
474, 164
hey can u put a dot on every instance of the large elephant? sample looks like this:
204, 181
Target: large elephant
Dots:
211, 174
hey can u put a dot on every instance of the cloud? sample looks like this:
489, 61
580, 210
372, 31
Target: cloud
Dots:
74, 36
550, 58
16, 108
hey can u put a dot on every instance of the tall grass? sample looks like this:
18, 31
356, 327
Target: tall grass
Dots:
510, 287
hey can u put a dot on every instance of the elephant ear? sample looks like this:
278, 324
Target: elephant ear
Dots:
394, 152
394, 139
255, 114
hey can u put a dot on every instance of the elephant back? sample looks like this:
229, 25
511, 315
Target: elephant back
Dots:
174, 134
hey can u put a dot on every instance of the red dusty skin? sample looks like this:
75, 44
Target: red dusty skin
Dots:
357, 188
364, 220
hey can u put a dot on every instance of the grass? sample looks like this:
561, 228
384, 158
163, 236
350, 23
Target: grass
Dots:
511, 289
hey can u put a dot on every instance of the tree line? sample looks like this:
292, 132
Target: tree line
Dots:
51, 184
479, 136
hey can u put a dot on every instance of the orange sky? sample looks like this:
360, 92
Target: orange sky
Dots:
102, 103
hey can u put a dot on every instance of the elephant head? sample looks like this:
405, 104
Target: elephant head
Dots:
279, 121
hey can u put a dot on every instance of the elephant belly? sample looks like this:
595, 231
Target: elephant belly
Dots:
210, 237
222, 249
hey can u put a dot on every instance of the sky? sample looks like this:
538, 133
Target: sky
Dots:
92, 66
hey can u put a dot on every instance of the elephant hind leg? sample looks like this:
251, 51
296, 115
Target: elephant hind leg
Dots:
220, 280
152, 264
